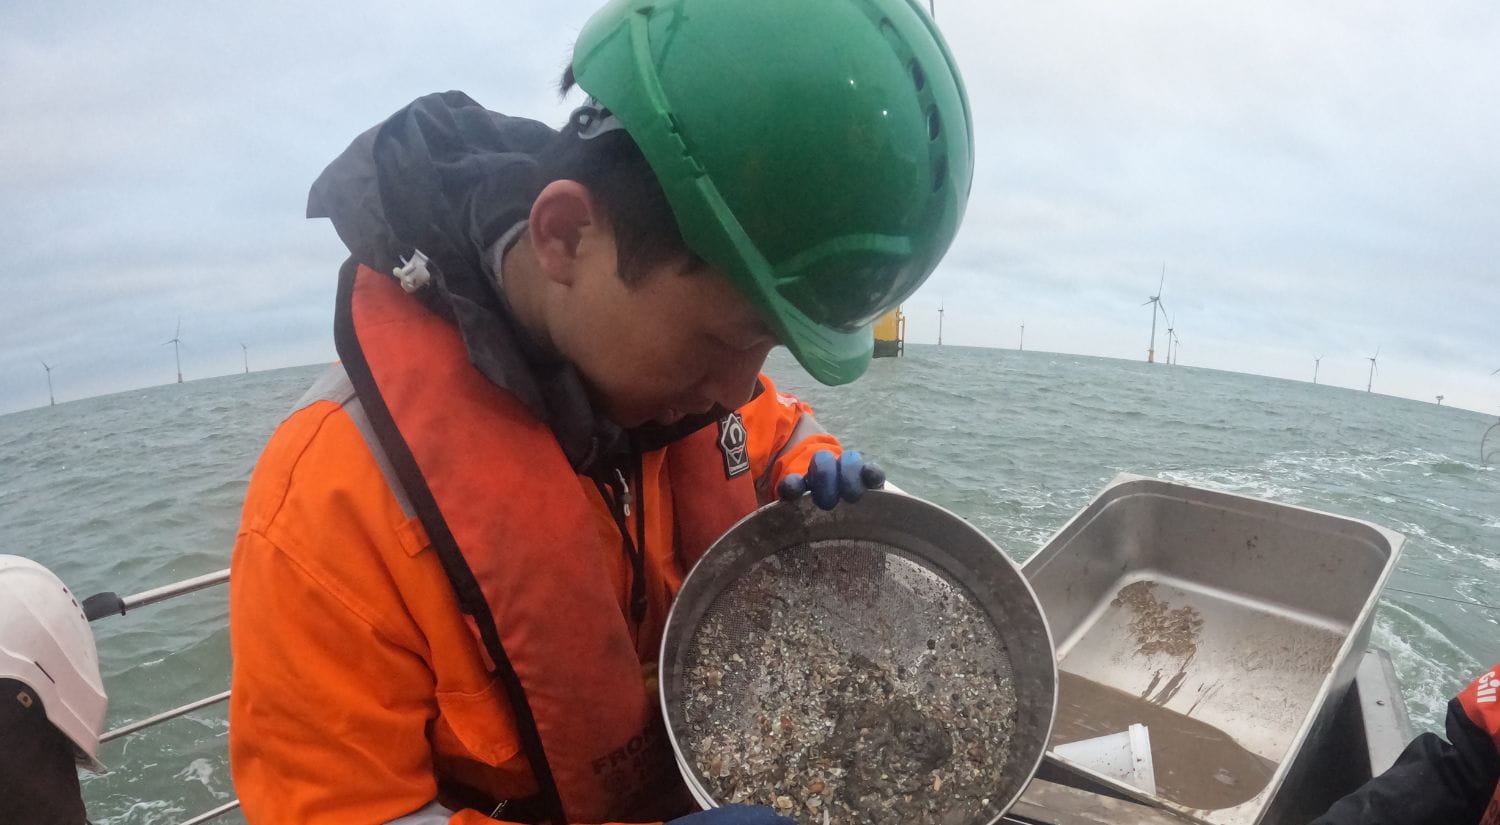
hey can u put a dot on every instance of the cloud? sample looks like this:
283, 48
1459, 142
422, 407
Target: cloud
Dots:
1316, 181
1316, 178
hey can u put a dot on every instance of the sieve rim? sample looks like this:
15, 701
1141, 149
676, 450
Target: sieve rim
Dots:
784, 525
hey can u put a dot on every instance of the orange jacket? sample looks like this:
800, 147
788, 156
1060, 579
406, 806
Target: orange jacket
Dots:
359, 688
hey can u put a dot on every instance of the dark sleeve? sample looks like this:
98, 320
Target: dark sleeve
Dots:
1433, 782
38, 778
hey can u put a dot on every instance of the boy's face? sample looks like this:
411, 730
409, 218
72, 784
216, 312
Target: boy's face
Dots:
674, 344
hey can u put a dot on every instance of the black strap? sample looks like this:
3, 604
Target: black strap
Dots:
465, 586
616, 501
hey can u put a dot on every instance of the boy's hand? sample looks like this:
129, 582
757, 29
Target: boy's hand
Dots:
830, 478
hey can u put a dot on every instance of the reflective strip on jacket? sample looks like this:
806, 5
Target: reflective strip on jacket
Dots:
362, 691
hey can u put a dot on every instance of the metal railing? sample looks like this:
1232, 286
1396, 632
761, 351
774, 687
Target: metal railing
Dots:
102, 605
151, 721
213, 814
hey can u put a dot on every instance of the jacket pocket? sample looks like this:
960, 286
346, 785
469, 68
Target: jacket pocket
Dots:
476, 725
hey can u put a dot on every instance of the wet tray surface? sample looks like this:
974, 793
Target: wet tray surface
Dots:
1225, 624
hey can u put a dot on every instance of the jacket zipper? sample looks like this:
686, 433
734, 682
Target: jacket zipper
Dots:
619, 500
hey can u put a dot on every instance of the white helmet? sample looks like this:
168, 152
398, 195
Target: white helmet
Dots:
46, 643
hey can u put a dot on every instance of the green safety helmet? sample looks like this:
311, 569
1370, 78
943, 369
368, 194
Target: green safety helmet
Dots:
819, 153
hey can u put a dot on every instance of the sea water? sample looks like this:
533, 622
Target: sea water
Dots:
139, 489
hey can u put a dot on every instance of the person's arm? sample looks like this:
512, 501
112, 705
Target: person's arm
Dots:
330, 706
38, 773
792, 455
1434, 782
783, 436
328, 712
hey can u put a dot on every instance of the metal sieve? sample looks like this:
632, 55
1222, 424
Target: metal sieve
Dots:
883, 662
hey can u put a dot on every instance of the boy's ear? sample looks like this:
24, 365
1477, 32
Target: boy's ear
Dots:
562, 219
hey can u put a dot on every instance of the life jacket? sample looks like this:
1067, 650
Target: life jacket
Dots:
1481, 703
513, 525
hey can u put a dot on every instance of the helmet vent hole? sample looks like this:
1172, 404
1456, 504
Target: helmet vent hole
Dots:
939, 173
934, 124
918, 77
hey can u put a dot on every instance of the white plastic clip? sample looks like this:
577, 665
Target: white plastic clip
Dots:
593, 122
413, 272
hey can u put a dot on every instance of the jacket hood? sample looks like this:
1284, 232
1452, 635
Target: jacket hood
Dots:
450, 178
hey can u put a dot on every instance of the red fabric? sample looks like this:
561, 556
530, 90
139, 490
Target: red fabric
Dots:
1481, 703
701, 519
535, 550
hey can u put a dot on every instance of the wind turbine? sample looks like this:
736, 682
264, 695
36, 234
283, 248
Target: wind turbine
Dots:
247, 357
1022, 347
1440, 400
940, 324
1171, 334
1371, 383
51, 402
1316, 362
1155, 301
1176, 350
175, 341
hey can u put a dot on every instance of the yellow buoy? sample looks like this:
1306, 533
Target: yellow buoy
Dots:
890, 334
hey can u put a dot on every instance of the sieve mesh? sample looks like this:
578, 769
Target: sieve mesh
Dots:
841, 682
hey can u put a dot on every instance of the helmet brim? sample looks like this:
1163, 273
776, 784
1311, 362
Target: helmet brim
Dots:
832, 356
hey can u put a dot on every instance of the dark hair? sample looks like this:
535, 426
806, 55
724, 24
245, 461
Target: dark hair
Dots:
626, 190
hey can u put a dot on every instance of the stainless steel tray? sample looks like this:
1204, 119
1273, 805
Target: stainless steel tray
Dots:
1230, 626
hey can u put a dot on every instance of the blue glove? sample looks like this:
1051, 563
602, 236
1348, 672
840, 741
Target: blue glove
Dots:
830, 478
734, 815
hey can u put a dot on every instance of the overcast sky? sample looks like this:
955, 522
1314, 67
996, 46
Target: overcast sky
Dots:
1318, 178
